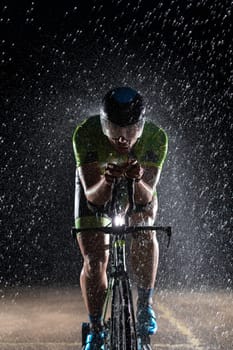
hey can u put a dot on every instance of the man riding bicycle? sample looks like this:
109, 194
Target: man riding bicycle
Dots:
116, 145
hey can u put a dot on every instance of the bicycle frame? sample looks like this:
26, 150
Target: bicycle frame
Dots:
118, 276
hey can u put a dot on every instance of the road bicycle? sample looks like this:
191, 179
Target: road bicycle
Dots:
121, 327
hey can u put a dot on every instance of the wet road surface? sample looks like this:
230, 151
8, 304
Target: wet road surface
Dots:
50, 318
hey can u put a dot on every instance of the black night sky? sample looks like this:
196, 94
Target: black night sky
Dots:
57, 60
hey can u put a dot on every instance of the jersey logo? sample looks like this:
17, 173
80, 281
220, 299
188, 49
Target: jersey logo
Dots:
150, 156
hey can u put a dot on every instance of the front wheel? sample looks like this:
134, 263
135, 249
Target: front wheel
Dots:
144, 344
122, 329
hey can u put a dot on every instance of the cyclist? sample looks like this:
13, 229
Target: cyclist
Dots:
117, 144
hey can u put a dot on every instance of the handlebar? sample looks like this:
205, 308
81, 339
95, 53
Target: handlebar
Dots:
124, 229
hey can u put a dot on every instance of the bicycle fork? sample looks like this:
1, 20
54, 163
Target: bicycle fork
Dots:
122, 324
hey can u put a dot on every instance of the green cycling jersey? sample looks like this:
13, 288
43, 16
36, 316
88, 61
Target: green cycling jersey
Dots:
91, 145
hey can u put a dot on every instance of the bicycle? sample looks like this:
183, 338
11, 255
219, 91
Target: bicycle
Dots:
121, 328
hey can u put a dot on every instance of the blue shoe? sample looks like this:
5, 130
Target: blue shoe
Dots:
146, 321
95, 341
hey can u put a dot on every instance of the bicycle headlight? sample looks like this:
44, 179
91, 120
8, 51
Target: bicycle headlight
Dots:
118, 220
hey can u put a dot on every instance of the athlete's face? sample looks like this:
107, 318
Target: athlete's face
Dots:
122, 138
122, 144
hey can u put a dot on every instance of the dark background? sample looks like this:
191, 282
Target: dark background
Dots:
57, 60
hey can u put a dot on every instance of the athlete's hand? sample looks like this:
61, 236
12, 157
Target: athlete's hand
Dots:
113, 171
134, 170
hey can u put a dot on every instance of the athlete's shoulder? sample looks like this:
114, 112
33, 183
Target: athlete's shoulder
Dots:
89, 128
151, 150
87, 125
153, 131
86, 139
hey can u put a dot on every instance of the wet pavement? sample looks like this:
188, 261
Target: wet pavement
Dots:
50, 318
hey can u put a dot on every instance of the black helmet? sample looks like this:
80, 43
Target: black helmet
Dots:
123, 106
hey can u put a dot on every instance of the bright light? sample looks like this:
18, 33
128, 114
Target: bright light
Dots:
119, 220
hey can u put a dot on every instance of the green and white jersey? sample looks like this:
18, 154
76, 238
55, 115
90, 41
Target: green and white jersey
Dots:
91, 145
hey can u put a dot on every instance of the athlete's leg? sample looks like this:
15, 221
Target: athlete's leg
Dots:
93, 279
145, 249
144, 257
94, 249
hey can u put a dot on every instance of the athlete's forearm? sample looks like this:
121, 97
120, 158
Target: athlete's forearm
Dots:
145, 188
100, 193
143, 193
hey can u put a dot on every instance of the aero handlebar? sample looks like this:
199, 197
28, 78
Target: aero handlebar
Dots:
124, 229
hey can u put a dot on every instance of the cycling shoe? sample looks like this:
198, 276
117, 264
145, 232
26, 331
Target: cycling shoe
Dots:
95, 341
146, 321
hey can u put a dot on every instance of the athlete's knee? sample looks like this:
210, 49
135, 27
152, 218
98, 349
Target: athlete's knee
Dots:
143, 240
94, 266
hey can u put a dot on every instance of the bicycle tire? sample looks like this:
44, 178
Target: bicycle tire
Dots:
131, 325
144, 344
122, 331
